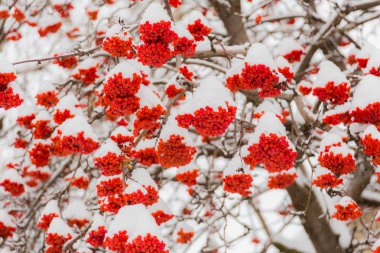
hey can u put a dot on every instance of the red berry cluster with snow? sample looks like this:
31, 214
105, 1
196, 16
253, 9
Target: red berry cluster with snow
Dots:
210, 110
189, 126
8, 96
331, 84
257, 71
163, 40
347, 209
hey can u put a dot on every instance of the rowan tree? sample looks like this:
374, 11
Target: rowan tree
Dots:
157, 126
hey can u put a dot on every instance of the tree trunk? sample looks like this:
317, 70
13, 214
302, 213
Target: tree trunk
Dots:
231, 20
316, 226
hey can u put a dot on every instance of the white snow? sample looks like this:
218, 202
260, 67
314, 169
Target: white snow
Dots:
211, 92
3, 7
6, 66
148, 97
194, 16
269, 105
51, 207
75, 125
319, 171
136, 220
268, 123
25, 110
46, 86
376, 245
76, 209
154, 13
182, 31
235, 164
142, 177
97, 221
329, 140
345, 201
171, 128
146, 143
49, 20
13, 176
287, 45
343, 149
281, 62
69, 102
372, 130
42, 115
115, 30
86, 64
126, 68
133, 186
373, 62
366, 51
6, 219
123, 131
45, 169
78, 174
107, 146
189, 167
366, 92
60, 227
338, 109
259, 54
160, 205
237, 66
329, 72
